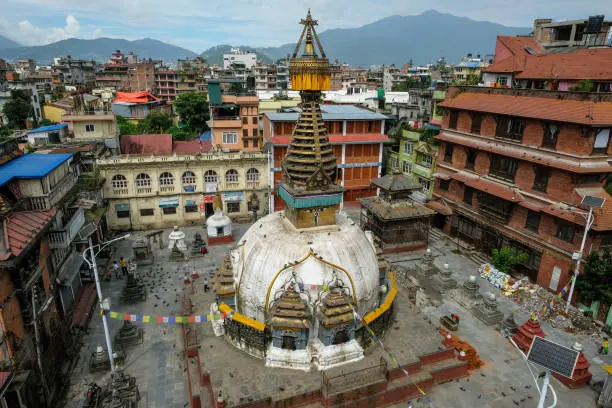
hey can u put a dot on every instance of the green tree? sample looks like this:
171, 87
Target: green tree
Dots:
192, 108
586, 85
596, 281
17, 109
126, 127
155, 122
505, 258
46, 122
179, 133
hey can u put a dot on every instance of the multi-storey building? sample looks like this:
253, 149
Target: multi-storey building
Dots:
168, 188
357, 136
234, 117
141, 76
248, 59
416, 156
68, 71
166, 84
514, 167
592, 32
469, 69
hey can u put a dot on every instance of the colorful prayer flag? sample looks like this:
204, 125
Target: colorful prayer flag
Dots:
126, 316
146, 319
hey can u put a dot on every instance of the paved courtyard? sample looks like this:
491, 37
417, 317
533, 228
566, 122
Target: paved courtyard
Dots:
159, 364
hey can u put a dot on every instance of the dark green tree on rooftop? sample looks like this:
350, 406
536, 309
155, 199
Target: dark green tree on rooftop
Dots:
18, 109
192, 108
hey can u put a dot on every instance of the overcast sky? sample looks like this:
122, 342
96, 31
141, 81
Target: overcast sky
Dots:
200, 24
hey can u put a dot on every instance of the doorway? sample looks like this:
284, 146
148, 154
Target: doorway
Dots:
208, 209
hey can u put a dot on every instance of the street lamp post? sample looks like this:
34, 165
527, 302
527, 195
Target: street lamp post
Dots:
104, 305
591, 202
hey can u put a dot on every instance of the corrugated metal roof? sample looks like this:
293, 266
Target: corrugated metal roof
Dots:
332, 112
31, 166
50, 128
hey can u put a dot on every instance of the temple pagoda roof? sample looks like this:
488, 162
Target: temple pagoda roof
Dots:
396, 182
397, 210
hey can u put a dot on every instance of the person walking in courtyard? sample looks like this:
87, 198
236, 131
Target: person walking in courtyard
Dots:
116, 270
123, 263
605, 346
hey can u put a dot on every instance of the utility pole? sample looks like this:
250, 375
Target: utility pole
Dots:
38, 347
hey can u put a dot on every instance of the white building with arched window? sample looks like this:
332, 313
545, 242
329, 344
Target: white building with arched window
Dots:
167, 190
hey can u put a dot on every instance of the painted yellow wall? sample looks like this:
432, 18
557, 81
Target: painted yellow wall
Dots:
53, 113
103, 129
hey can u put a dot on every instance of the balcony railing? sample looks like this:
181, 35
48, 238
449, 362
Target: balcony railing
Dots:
44, 203
61, 238
144, 190
496, 213
166, 189
252, 184
120, 191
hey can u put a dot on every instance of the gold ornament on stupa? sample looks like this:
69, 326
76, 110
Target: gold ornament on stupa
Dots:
309, 163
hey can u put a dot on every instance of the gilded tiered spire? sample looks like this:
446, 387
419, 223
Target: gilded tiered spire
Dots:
309, 167
310, 162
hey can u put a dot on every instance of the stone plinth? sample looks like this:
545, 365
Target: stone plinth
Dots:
426, 266
509, 325
444, 280
581, 375
525, 334
468, 294
487, 311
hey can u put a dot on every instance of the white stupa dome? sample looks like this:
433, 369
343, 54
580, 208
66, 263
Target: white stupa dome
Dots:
273, 242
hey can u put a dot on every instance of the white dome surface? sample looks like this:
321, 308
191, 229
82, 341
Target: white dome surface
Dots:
272, 242
218, 219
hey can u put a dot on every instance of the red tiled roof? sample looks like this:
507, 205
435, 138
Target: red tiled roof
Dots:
565, 212
518, 47
192, 146
146, 144
603, 216
338, 139
532, 205
559, 110
592, 63
21, 228
439, 207
551, 159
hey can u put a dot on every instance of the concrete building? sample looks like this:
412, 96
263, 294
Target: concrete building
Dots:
166, 84
141, 76
68, 71
48, 134
248, 59
592, 32
514, 167
234, 117
416, 156
357, 137
30, 91
523, 62
469, 69
55, 111
163, 190
99, 126
137, 105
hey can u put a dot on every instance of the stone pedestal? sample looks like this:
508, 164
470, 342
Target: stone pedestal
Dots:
468, 294
525, 334
487, 311
509, 325
581, 375
444, 280
426, 266
605, 398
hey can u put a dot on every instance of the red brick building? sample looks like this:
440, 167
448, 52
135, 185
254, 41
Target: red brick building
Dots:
357, 136
514, 166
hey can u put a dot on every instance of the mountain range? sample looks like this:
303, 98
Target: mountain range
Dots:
392, 40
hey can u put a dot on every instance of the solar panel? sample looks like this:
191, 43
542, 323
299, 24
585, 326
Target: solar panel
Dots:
594, 24
593, 201
553, 356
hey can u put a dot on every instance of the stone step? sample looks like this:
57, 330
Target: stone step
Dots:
479, 257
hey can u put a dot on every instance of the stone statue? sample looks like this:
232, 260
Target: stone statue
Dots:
217, 325
177, 244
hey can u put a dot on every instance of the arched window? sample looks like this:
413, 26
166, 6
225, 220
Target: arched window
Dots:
143, 180
231, 176
210, 176
119, 181
166, 179
252, 174
189, 178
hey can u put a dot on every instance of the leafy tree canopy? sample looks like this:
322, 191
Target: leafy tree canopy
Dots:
155, 122
192, 108
126, 127
503, 259
596, 281
17, 109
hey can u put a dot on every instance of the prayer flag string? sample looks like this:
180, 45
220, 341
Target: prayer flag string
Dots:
211, 317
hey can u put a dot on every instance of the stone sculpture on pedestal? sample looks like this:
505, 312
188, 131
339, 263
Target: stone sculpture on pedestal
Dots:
468, 294
177, 245
444, 280
487, 310
426, 266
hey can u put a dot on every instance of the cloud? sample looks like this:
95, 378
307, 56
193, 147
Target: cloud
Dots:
259, 22
27, 33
